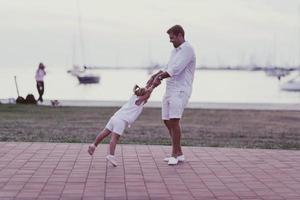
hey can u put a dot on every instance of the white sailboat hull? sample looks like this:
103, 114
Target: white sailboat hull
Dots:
292, 85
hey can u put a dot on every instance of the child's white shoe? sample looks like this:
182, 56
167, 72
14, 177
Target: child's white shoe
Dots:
112, 160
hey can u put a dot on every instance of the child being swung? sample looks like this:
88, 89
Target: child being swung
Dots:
124, 117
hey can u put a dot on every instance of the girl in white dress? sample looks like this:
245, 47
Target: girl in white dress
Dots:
123, 118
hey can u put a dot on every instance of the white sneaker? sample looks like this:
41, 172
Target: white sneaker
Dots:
172, 161
112, 160
179, 158
166, 159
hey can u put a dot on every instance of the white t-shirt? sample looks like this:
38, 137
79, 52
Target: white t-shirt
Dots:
39, 75
130, 111
181, 68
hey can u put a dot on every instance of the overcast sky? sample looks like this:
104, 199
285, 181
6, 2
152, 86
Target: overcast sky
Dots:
133, 32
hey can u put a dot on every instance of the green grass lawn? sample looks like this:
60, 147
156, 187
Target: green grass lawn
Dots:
200, 127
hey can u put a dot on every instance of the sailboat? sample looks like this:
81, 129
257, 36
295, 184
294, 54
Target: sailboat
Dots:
88, 78
292, 85
82, 73
83, 76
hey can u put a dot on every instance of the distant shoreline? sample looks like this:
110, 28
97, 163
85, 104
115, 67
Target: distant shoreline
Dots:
223, 67
157, 104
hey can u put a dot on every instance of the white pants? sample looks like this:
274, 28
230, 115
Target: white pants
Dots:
116, 125
173, 105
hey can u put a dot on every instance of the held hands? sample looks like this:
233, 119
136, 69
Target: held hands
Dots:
145, 97
154, 81
157, 81
150, 82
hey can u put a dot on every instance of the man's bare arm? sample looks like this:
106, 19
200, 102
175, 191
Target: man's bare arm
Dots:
159, 78
150, 81
163, 75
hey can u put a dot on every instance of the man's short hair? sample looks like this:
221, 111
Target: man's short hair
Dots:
176, 30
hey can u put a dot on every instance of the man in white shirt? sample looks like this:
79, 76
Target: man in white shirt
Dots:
180, 75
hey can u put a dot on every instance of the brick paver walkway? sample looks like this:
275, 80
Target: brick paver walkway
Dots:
66, 171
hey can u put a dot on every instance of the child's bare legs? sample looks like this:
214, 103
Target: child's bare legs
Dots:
113, 142
112, 147
101, 136
98, 139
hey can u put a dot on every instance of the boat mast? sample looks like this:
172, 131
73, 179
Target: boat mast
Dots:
80, 31
299, 37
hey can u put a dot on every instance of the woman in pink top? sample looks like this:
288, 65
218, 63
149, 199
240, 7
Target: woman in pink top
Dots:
39, 77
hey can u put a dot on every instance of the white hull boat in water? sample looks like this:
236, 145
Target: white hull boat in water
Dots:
83, 76
291, 85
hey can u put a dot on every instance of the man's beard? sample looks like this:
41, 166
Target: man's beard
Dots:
175, 45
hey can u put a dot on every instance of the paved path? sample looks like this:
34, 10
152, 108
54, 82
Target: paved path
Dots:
66, 171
